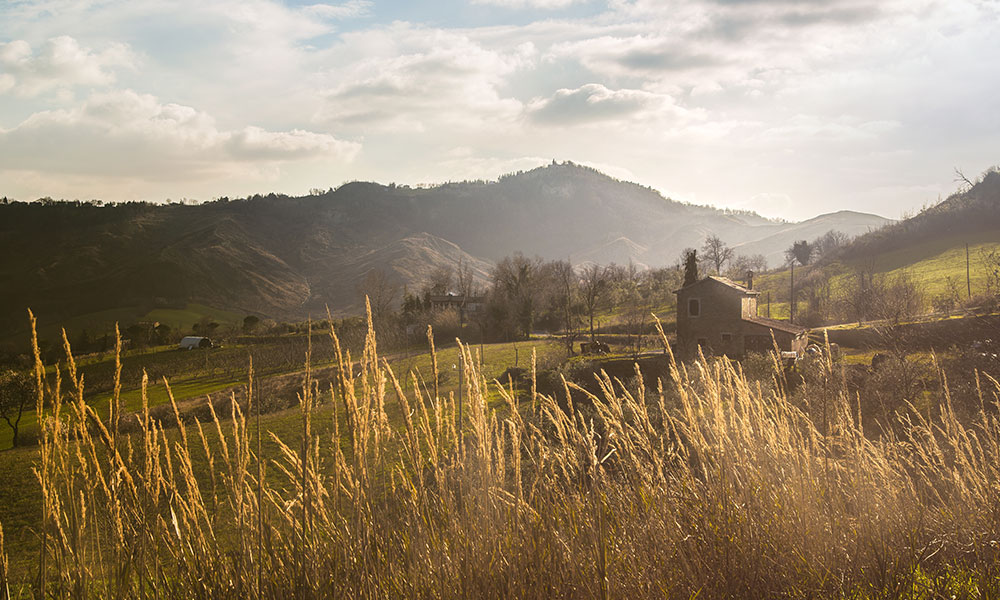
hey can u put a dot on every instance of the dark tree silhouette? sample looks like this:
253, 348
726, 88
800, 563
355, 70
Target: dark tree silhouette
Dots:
801, 251
15, 392
690, 266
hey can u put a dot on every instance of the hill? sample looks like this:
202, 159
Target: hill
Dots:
948, 255
848, 222
969, 212
288, 257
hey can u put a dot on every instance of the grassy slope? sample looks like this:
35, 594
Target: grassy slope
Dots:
929, 265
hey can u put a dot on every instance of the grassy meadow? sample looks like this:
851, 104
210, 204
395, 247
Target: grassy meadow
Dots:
937, 268
719, 480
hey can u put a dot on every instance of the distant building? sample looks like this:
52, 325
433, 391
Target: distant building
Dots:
721, 316
468, 304
193, 341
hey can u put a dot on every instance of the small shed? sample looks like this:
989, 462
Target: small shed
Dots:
720, 316
191, 342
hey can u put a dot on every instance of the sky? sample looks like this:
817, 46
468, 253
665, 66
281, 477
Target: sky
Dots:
788, 108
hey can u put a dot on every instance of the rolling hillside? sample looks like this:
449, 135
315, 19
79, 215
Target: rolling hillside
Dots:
928, 249
288, 257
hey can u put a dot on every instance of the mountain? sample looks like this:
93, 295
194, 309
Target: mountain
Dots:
288, 257
848, 222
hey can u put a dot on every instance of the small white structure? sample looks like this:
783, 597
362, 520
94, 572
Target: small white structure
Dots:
191, 342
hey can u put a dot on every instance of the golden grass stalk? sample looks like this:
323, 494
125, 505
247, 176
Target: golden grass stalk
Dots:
701, 483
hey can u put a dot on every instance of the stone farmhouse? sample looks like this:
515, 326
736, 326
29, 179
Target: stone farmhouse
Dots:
721, 316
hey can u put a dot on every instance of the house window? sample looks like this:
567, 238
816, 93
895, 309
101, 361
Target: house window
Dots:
727, 338
694, 307
703, 342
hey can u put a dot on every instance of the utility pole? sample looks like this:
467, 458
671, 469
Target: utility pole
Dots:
791, 296
461, 386
968, 280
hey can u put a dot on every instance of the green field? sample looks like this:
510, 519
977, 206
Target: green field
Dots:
938, 268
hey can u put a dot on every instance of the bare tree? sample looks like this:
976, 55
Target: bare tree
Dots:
594, 284
440, 281
830, 242
635, 308
515, 284
900, 299
564, 298
381, 292
861, 292
464, 278
741, 264
963, 181
716, 252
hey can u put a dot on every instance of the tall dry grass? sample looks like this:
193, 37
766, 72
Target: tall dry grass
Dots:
706, 486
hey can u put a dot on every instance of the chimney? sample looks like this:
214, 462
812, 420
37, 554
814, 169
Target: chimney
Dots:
749, 280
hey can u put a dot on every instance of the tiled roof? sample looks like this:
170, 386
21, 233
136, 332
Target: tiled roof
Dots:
724, 281
779, 325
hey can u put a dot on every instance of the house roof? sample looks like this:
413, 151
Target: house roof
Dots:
453, 297
779, 325
724, 281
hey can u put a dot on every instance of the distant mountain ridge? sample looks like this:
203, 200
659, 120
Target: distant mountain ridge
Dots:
288, 257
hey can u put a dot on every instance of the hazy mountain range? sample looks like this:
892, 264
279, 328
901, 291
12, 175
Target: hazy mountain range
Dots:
291, 256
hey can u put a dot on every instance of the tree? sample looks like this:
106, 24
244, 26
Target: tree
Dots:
381, 292
515, 284
464, 278
741, 264
594, 288
690, 266
15, 392
250, 323
801, 251
564, 299
830, 242
633, 304
440, 281
716, 252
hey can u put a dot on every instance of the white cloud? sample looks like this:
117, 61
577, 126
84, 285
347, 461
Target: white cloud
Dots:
60, 63
124, 133
594, 103
353, 8
534, 4
412, 79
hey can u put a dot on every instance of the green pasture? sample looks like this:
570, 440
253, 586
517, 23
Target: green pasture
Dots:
185, 318
938, 268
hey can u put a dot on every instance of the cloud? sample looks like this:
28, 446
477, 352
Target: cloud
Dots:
595, 103
531, 4
126, 134
412, 79
353, 8
60, 63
